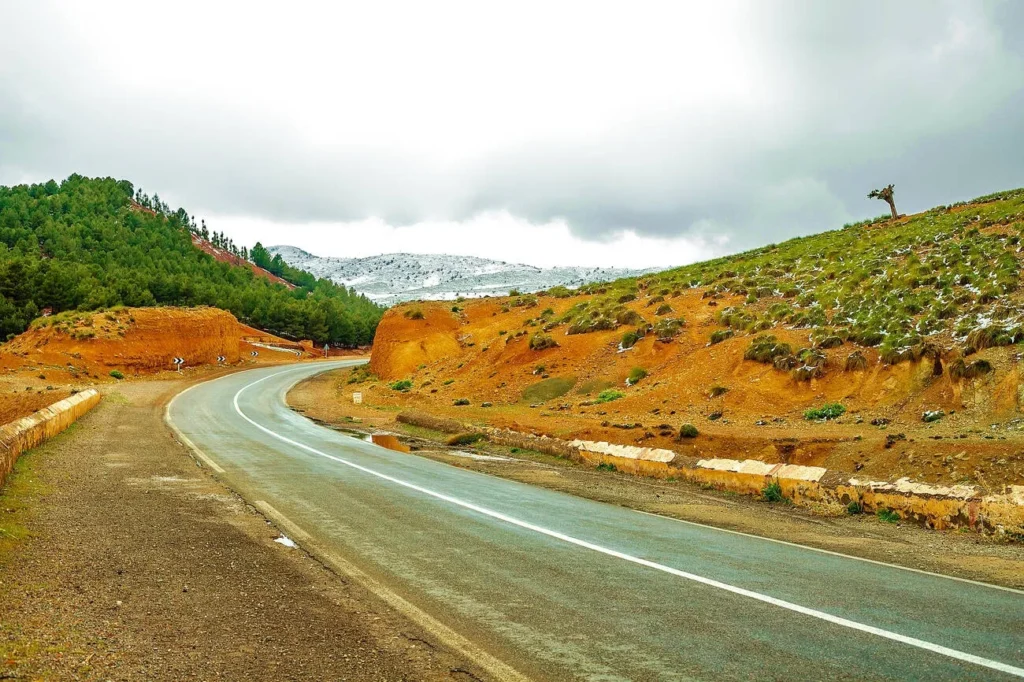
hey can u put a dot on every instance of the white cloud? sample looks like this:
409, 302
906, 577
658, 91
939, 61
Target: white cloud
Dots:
497, 235
674, 121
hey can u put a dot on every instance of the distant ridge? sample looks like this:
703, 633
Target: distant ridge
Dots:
395, 277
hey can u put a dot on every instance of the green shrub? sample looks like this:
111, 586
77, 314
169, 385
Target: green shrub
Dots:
117, 374
609, 395
856, 361
636, 375
668, 329
541, 341
663, 309
629, 339
773, 493
826, 411
854, 508
888, 515
460, 402
448, 382
559, 292
607, 466
402, 385
720, 335
765, 348
414, 314
958, 369
688, 431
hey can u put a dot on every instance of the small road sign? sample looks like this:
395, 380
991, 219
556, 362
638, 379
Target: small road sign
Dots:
357, 398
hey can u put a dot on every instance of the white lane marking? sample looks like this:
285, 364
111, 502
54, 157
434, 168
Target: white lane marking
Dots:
795, 545
821, 615
833, 553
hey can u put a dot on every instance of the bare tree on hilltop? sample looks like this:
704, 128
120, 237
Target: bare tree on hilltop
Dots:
885, 194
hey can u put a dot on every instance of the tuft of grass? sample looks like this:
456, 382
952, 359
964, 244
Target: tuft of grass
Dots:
607, 466
414, 314
720, 335
540, 341
402, 385
717, 391
117, 374
688, 431
765, 348
636, 375
460, 402
773, 493
825, 412
856, 362
609, 395
959, 369
888, 515
854, 508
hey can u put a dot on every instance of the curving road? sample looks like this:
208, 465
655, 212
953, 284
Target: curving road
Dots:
549, 586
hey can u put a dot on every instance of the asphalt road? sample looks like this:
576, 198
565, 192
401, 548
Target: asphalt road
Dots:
559, 587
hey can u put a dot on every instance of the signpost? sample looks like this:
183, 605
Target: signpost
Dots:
357, 398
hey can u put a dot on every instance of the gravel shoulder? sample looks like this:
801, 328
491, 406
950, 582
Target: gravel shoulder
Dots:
961, 554
121, 558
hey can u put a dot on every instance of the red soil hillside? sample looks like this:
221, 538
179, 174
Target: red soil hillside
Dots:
137, 341
228, 257
743, 408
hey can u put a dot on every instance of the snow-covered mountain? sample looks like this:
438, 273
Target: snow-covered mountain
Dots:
395, 277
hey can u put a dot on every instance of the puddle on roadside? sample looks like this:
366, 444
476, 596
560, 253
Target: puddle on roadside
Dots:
386, 440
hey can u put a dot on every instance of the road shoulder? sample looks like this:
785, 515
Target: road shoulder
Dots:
122, 558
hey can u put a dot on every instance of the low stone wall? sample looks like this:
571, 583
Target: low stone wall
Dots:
429, 421
938, 507
28, 432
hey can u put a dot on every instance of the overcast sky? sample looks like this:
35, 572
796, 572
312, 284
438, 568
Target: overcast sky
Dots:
627, 134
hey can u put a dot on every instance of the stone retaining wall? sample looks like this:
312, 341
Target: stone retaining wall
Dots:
938, 507
28, 432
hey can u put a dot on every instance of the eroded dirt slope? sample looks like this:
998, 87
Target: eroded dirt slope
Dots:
481, 352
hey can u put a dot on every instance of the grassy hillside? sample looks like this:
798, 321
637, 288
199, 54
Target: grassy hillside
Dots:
882, 349
938, 282
84, 244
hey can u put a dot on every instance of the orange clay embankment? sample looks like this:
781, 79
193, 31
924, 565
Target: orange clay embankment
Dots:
28, 432
744, 410
137, 341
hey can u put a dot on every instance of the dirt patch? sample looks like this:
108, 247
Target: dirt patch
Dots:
15, 404
966, 555
76, 350
120, 558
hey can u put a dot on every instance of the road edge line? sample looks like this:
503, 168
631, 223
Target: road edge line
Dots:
955, 654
